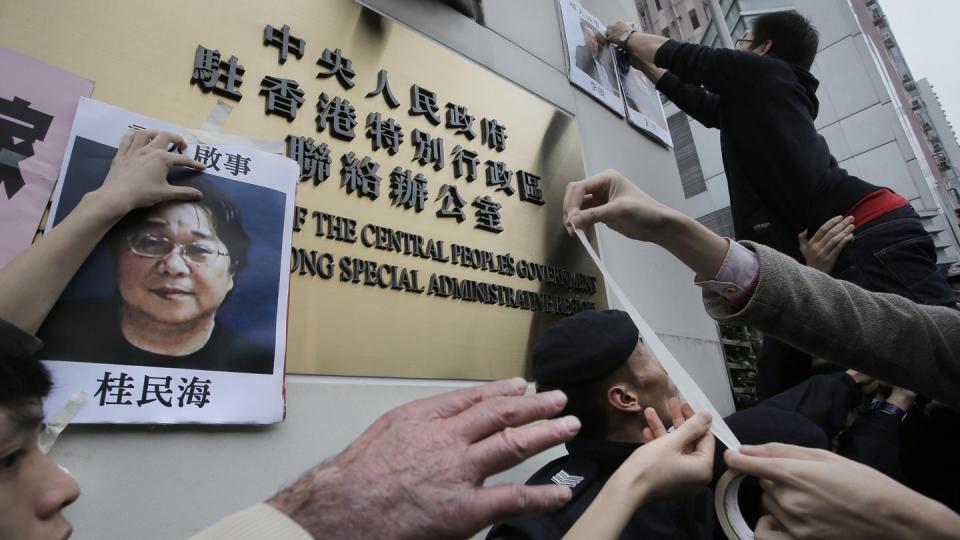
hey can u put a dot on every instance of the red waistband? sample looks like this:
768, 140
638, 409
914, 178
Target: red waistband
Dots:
875, 205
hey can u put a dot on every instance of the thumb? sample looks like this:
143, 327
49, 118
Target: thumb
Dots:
694, 428
584, 218
182, 193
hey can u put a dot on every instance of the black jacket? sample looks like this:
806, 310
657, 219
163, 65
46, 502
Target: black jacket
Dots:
591, 462
89, 331
780, 173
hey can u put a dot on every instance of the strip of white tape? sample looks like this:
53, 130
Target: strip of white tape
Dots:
209, 132
685, 384
217, 117
55, 425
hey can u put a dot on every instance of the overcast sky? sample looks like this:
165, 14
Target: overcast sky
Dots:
928, 32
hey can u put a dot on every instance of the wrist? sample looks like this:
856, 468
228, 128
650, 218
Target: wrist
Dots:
104, 207
699, 248
921, 517
316, 502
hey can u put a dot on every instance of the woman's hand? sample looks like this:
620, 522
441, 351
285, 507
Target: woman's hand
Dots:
138, 173
822, 250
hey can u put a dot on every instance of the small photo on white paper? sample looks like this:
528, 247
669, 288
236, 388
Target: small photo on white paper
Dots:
590, 56
644, 107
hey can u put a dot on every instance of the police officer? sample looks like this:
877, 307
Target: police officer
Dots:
598, 359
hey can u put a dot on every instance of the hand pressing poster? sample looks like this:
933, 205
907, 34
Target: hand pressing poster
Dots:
37, 104
590, 56
179, 314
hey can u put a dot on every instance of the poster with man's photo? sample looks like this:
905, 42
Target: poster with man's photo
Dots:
644, 107
590, 57
179, 314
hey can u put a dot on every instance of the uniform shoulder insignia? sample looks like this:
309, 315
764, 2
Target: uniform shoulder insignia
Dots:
563, 478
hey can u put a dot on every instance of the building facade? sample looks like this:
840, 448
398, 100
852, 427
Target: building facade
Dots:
867, 116
170, 481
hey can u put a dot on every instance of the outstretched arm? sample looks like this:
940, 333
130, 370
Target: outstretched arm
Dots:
884, 335
31, 284
720, 70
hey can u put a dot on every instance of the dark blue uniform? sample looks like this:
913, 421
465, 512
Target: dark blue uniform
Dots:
810, 414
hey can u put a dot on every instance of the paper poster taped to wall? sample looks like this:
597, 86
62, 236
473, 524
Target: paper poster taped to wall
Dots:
590, 57
37, 105
644, 107
179, 314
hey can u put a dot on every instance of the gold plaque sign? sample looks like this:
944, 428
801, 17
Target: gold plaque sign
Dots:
429, 240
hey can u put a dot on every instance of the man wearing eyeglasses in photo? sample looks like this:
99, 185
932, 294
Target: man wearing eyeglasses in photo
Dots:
176, 263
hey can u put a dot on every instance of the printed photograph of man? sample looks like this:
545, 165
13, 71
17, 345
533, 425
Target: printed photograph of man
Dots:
595, 58
640, 94
154, 296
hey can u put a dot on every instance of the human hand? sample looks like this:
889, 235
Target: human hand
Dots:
901, 397
867, 383
813, 493
822, 250
674, 463
617, 29
418, 471
608, 197
138, 173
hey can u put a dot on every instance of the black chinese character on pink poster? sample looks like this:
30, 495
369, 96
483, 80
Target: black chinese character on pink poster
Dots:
20, 127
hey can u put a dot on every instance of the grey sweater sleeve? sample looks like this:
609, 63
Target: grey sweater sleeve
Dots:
883, 335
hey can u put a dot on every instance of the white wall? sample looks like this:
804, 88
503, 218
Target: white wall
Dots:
166, 482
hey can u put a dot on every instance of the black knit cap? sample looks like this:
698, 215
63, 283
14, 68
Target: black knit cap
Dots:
584, 347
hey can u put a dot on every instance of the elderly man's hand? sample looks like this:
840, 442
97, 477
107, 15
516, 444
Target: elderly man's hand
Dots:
418, 471
812, 493
138, 174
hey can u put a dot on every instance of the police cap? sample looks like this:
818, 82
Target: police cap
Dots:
584, 347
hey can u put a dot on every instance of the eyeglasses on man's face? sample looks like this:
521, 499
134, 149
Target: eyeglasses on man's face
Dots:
156, 246
739, 43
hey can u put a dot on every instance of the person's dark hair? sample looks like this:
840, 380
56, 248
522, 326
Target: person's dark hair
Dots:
23, 379
793, 38
223, 215
588, 402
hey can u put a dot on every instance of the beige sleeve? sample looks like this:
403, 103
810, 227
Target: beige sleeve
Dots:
883, 335
258, 522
